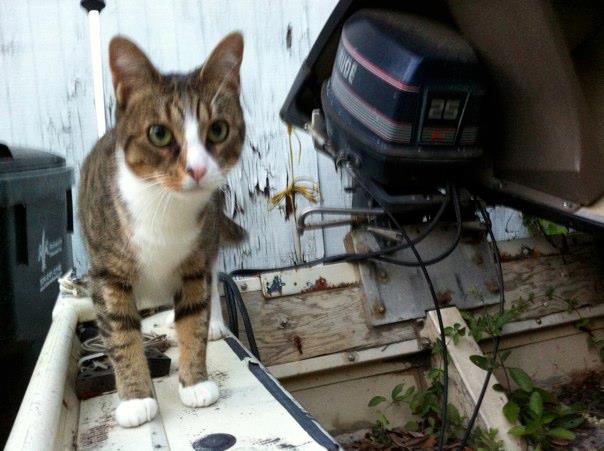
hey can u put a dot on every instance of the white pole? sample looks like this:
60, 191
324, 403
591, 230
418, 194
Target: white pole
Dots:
97, 70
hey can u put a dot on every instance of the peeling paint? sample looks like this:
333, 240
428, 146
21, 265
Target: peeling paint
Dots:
322, 284
288, 37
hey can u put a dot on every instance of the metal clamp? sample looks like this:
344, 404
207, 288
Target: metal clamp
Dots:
302, 226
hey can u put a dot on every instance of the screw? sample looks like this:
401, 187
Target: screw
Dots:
283, 321
425, 343
243, 286
378, 307
351, 357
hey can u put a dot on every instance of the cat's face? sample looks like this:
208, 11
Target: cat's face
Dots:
184, 132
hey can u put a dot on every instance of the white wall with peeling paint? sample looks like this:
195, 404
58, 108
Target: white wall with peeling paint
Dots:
46, 99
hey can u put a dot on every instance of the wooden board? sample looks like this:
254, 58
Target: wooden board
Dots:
298, 327
577, 275
304, 326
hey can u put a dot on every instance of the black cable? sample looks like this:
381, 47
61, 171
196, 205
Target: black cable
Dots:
233, 296
443, 410
231, 290
354, 257
495, 248
446, 253
408, 243
231, 309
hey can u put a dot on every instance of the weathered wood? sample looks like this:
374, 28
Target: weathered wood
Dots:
466, 380
577, 276
334, 321
300, 327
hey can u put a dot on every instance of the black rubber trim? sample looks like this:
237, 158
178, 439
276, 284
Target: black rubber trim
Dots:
239, 350
302, 417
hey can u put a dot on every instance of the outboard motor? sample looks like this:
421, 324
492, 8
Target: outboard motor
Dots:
404, 98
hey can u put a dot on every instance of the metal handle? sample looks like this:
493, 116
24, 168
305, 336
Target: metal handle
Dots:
302, 226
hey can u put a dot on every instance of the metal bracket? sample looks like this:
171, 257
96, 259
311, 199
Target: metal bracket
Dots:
467, 278
302, 226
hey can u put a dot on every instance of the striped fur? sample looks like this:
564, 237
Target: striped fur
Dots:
152, 229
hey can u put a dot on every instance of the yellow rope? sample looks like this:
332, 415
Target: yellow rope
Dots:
307, 188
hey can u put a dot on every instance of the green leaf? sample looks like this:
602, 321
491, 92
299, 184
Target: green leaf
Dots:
480, 361
376, 400
602, 354
570, 422
536, 404
511, 410
396, 391
503, 355
407, 394
517, 431
435, 374
453, 414
561, 433
548, 418
521, 378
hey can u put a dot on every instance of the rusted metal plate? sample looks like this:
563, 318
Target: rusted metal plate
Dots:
306, 280
466, 278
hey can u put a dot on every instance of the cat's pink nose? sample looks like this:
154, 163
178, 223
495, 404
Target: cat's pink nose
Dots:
197, 171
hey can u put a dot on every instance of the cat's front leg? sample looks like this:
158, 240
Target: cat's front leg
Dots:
217, 329
191, 315
119, 325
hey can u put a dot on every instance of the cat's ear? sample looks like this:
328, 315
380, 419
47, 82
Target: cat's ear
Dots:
130, 68
222, 66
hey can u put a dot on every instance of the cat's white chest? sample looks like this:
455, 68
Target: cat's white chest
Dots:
160, 254
165, 229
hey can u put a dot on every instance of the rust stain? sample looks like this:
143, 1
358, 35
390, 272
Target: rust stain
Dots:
444, 297
298, 343
322, 284
378, 307
525, 252
492, 286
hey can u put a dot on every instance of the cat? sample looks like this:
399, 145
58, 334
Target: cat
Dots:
151, 212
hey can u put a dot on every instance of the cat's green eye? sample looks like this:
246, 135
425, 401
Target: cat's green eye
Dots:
218, 131
159, 135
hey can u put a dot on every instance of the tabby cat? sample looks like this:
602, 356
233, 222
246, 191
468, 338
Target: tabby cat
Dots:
151, 211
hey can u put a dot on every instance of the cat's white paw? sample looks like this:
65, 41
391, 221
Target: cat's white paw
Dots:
134, 412
201, 394
169, 321
217, 330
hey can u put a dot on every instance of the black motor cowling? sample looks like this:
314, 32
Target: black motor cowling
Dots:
404, 97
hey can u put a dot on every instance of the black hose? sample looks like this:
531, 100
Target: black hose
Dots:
231, 308
445, 402
446, 253
497, 255
232, 291
355, 257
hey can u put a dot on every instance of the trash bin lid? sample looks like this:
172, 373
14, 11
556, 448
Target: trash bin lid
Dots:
19, 159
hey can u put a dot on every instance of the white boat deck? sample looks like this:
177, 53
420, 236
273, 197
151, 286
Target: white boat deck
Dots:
253, 408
